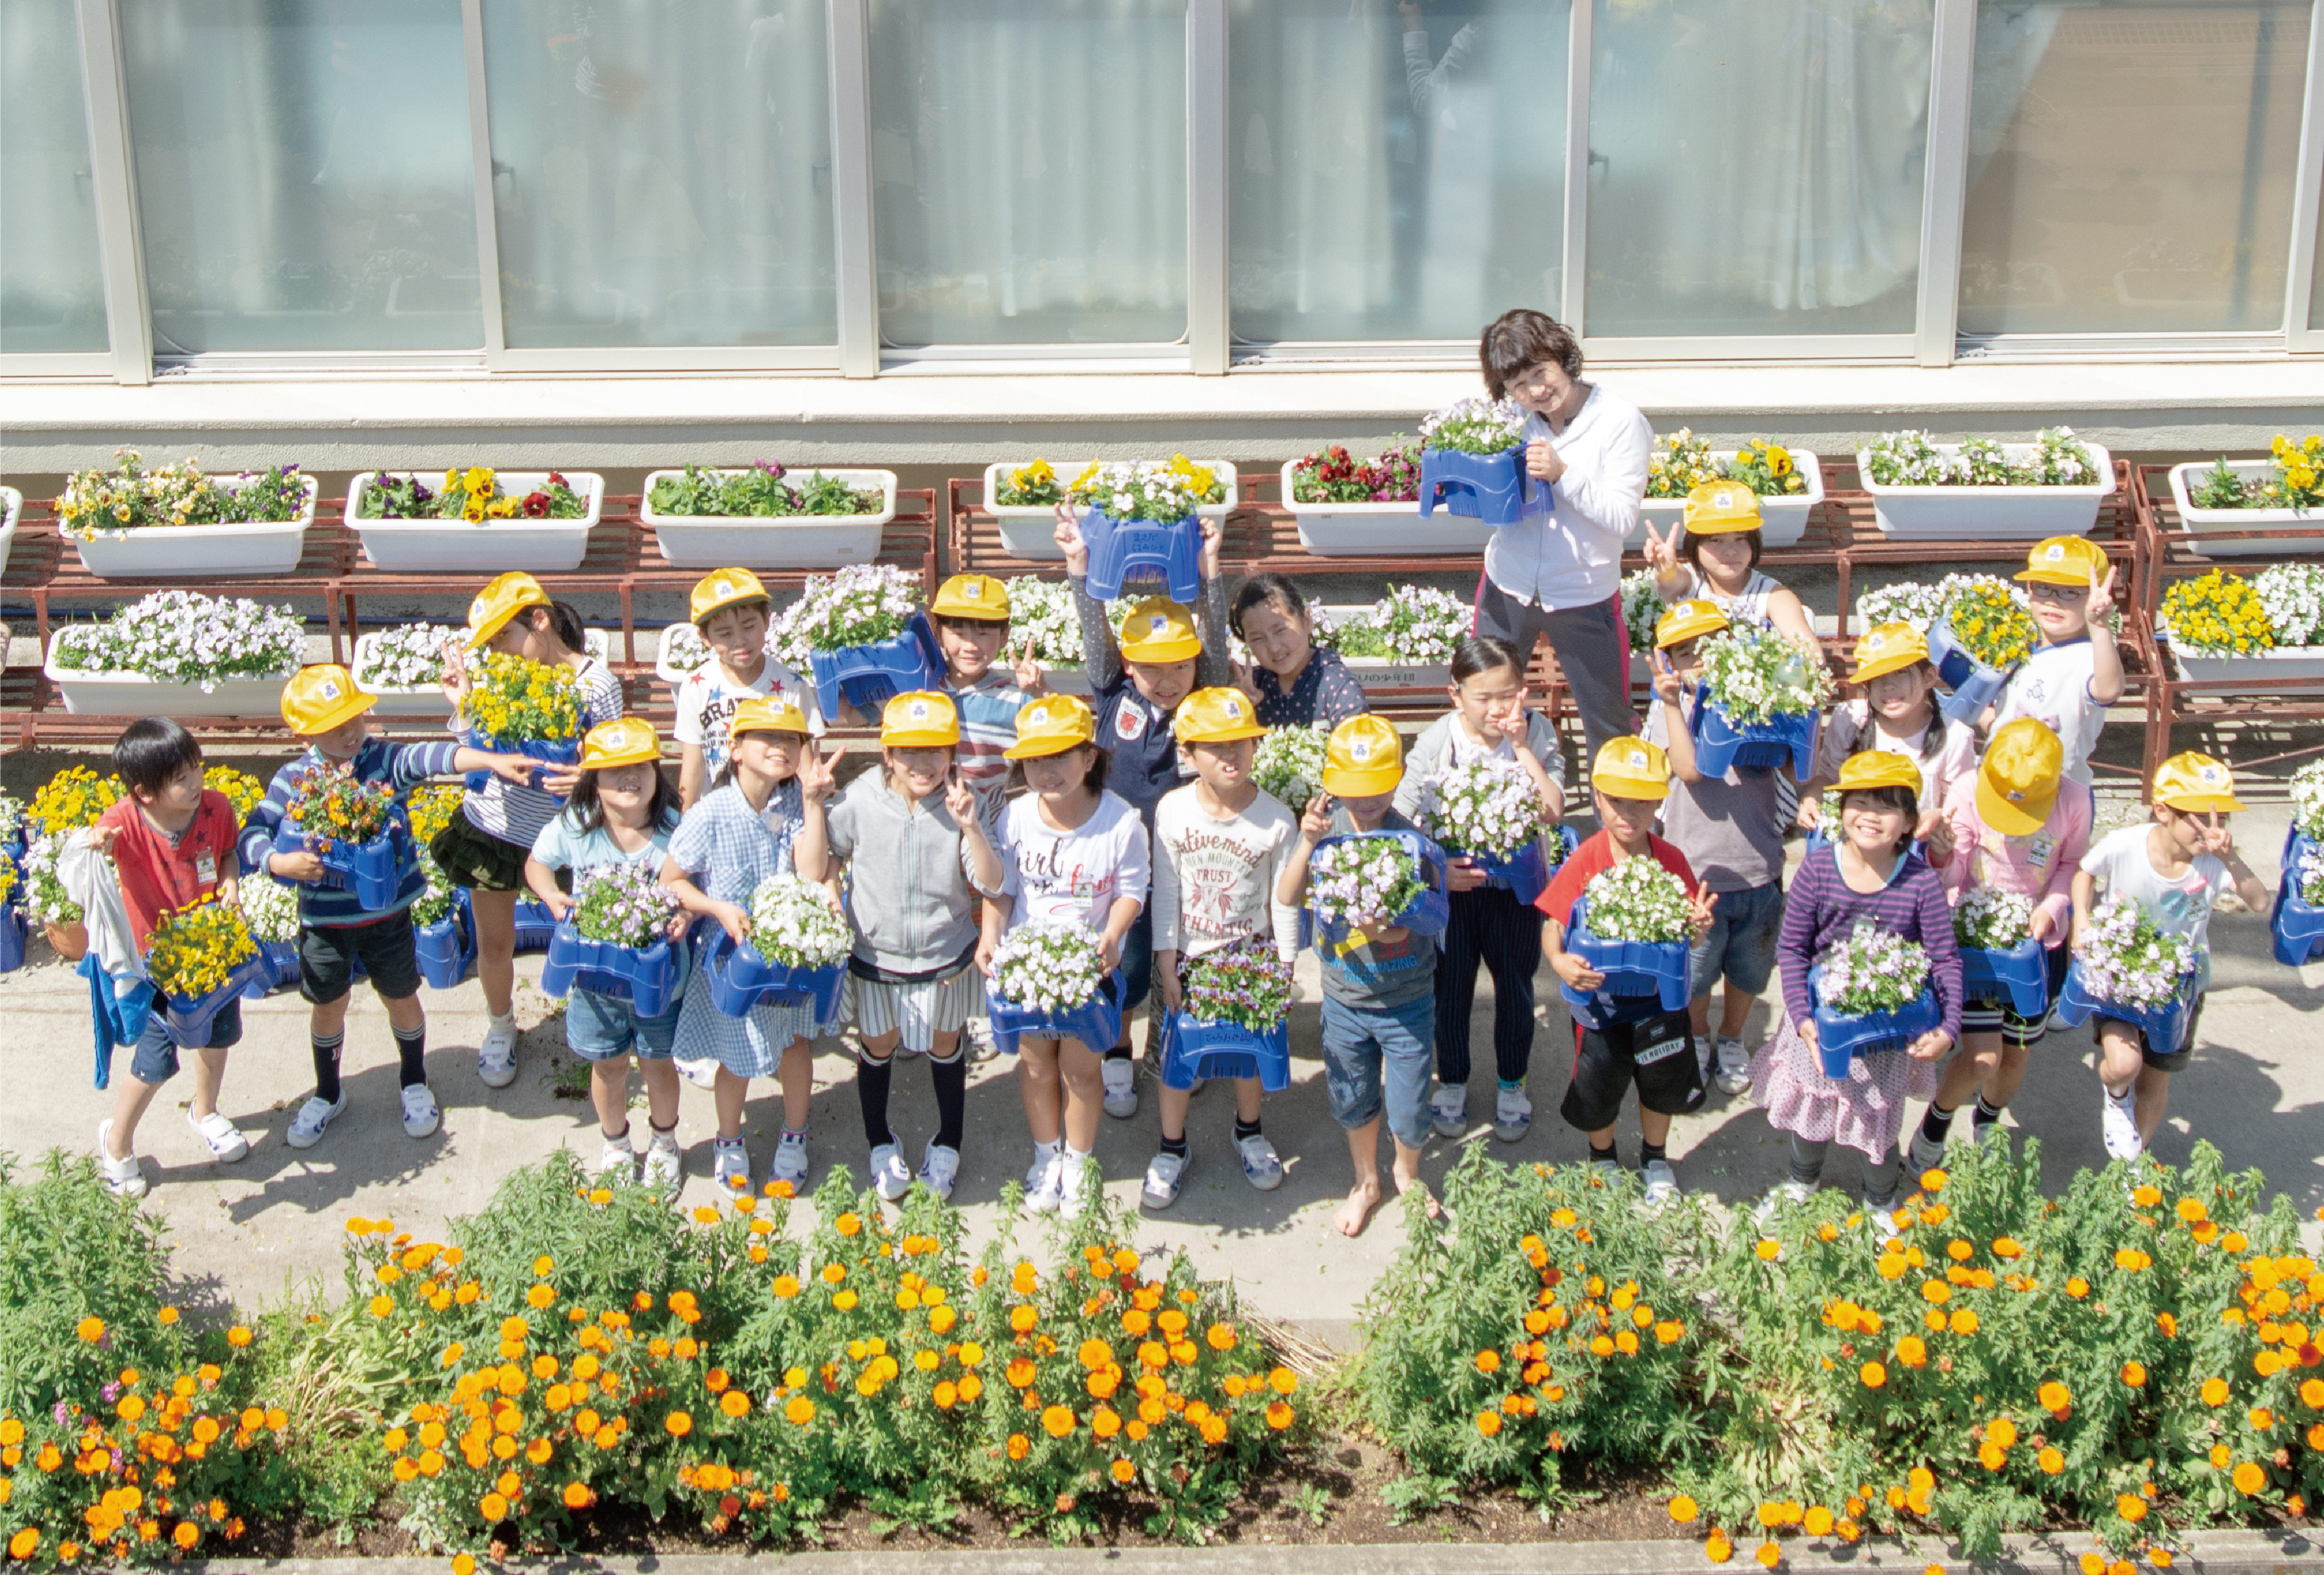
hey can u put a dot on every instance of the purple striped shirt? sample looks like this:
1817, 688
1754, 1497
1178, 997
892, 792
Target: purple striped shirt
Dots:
1821, 911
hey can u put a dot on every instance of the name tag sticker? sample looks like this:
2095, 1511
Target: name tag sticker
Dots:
206, 867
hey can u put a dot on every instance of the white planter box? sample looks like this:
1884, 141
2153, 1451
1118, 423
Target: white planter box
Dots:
2186, 478
540, 546
773, 541
200, 551
2262, 672
1386, 671
1783, 520
428, 700
11, 504
1363, 530
1953, 513
133, 694
1030, 532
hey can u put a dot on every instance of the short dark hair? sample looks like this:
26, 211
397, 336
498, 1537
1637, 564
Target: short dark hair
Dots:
1094, 779
151, 750
1890, 798
1258, 591
764, 606
1485, 653
941, 619
1690, 546
1516, 341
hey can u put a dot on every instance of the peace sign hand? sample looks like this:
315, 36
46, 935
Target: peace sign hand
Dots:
2100, 610
1661, 551
1667, 688
2218, 840
1025, 669
960, 801
819, 778
1699, 910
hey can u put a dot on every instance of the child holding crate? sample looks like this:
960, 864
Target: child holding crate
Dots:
2076, 672
730, 610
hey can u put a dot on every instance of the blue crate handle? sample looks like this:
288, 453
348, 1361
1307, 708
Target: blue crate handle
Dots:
548, 751
1495, 488
1425, 914
2166, 1024
536, 926
740, 979
374, 871
1633, 969
281, 960
1971, 684
1171, 548
2018, 977
2295, 926
1192, 1048
1525, 873
1720, 746
1096, 1022
867, 677
11, 939
1842, 1036
651, 979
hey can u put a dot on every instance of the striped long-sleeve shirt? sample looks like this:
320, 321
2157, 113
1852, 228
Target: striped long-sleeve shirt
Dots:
1820, 911
399, 765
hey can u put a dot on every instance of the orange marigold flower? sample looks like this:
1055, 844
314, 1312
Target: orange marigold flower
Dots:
1873, 1374
2135, 1374
1683, 1510
1719, 1550
1279, 1415
1489, 1361
1769, 1555
2215, 1391
678, 1424
90, 1330
577, 1495
2055, 1395
1058, 1421
2250, 1478
2130, 1506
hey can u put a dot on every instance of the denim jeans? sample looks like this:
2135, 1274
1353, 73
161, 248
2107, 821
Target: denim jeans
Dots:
1373, 1059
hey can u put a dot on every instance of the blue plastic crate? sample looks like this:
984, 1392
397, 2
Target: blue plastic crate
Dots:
1842, 1036
740, 979
648, 979
1170, 550
1971, 684
2164, 1026
557, 753
1097, 1022
281, 960
1632, 969
867, 677
188, 1022
2019, 978
2297, 927
11, 939
1192, 1050
1425, 914
1525, 873
1720, 746
536, 926
446, 950
374, 870
1492, 488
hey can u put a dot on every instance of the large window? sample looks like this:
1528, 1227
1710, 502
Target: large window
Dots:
51, 289
1756, 166
662, 173
2131, 166
1399, 173
1029, 171
304, 177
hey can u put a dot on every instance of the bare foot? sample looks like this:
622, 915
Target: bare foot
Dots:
1412, 1189
1362, 1198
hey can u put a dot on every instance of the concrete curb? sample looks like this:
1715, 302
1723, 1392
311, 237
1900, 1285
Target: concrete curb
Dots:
2234, 1553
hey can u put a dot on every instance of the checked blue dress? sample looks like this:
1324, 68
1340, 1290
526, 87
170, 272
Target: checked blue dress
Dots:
728, 848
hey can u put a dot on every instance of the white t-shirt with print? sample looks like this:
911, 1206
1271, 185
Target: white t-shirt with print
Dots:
1073, 878
2122, 864
707, 700
2054, 685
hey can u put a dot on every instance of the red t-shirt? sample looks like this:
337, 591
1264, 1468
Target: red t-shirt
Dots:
157, 878
1593, 859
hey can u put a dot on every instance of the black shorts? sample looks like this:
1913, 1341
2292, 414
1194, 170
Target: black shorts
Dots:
2160, 1061
474, 857
1655, 1054
327, 954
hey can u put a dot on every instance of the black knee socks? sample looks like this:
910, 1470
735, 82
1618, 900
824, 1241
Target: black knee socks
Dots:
872, 1080
1648, 1152
326, 1064
951, 1079
411, 1055
1986, 1114
1936, 1122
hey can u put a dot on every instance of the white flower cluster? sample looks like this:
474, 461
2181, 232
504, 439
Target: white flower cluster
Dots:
435, 904
45, 902
1289, 764
1046, 966
181, 636
798, 924
1042, 611
1475, 426
1363, 880
2127, 960
1870, 971
1756, 674
1147, 489
862, 603
1637, 900
1412, 623
2293, 596
1910, 458
1986, 920
1489, 806
2307, 800
12, 817
2310, 874
270, 908
1642, 605
408, 657
683, 649
1919, 604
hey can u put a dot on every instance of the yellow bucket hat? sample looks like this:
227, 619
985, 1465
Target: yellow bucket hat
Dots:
970, 596
1688, 620
1051, 726
2065, 560
760, 714
724, 588
1878, 768
1722, 509
499, 602
1364, 758
1217, 715
1631, 768
1158, 629
2017, 780
2197, 783
919, 719
1890, 648
623, 741
320, 698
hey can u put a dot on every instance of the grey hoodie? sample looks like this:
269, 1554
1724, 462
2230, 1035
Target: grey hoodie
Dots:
909, 889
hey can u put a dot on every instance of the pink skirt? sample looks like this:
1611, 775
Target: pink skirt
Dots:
1864, 1111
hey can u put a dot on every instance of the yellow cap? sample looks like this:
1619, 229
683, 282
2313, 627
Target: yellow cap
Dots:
2017, 780
623, 741
499, 602
970, 596
1889, 649
1722, 509
1878, 768
725, 588
1158, 629
760, 714
2197, 783
1051, 726
1364, 758
1631, 768
1217, 715
919, 719
319, 698
2065, 560
1688, 620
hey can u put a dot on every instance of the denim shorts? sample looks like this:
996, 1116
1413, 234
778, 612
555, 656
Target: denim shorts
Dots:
1740, 945
1382, 1059
1137, 965
600, 1027
155, 1059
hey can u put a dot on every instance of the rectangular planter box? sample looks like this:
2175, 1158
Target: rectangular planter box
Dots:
11, 504
1386, 671
1029, 531
133, 694
2185, 478
1783, 520
2258, 674
428, 700
772, 541
1194, 1050
1359, 530
1955, 514
549, 546
200, 551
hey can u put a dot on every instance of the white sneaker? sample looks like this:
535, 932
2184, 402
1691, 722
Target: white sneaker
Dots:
617, 1161
1448, 1108
2119, 1119
420, 1116
316, 1114
891, 1178
790, 1164
1166, 1178
225, 1140
729, 1165
1512, 1114
1922, 1155
665, 1165
1077, 1179
123, 1177
496, 1057
1121, 1087
1262, 1166
1661, 1183
701, 1071
1786, 1194
1734, 1076
940, 1169
1045, 1181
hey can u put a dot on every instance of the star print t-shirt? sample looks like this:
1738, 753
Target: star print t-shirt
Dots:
707, 700
2121, 864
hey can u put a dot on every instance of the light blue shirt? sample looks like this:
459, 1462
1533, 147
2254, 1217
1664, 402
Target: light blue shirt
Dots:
561, 846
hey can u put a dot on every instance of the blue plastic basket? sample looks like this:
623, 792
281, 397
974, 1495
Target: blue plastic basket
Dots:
1633, 969
1842, 1036
2296, 926
11, 939
446, 950
1192, 1050
188, 1022
740, 979
374, 871
1096, 1022
648, 979
867, 677
1122, 551
551, 753
536, 926
1492, 488
1426, 914
1972, 685
2164, 1026
1720, 746
281, 960
1525, 873
2019, 978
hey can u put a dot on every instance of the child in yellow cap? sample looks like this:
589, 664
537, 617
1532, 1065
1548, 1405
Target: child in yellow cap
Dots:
731, 610
322, 706
2076, 672
1897, 711
2174, 866
970, 616
622, 813
1380, 988
1714, 556
919, 857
